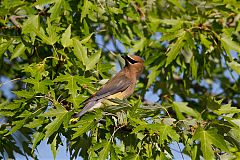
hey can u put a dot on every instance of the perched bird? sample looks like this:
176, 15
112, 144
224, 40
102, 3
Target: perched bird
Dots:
121, 86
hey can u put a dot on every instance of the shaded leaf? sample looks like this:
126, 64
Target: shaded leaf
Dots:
175, 48
20, 49
181, 107
55, 124
4, 46
105, 151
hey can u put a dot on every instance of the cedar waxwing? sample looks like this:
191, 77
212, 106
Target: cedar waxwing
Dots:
120, 86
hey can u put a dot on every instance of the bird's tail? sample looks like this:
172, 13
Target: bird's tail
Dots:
88, 106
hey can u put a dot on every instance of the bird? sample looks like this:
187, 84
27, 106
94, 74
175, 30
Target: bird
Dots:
121, 86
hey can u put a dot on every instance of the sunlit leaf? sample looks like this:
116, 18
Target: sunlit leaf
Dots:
37, 137
66, 38
93, 59
229, 45
80, 51
227, 109
138, 46
54, 147
235, 66
208, 138
56, 9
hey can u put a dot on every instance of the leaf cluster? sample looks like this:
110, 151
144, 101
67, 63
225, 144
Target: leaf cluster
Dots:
57, 53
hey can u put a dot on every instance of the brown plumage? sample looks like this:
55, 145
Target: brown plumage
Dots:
120, 86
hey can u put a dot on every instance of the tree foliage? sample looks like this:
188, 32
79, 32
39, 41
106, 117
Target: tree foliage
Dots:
57, 53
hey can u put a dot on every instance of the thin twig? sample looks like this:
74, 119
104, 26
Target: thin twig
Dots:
16, 79
180, 151
14, 18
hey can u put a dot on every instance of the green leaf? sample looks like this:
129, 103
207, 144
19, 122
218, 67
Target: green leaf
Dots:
227, 109
181, 107
229, 45
166, 131
56, 10
115, 10
32, 26
234, 66
177, 3
194, 67
93, 60
208, 138
132, 157
105, 151
154, 72
217, 140
40, 34
52, 32
37, 70
87, 38
175, 48
76, 100
85, 9
20, 49
10, 106
35, 123
17, 125
39, 86
54, 147
42, 2
83, 128
80, 52
72, 82
66, 38
234, 132
4, 46
55, 124
204, 41
37, 137
24, 94
138, 46
54, 112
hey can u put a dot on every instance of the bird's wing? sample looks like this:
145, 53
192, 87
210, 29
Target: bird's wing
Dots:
117, 84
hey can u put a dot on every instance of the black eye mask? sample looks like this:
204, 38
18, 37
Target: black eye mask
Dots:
129, 60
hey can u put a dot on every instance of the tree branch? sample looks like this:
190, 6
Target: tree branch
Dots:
14, 18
